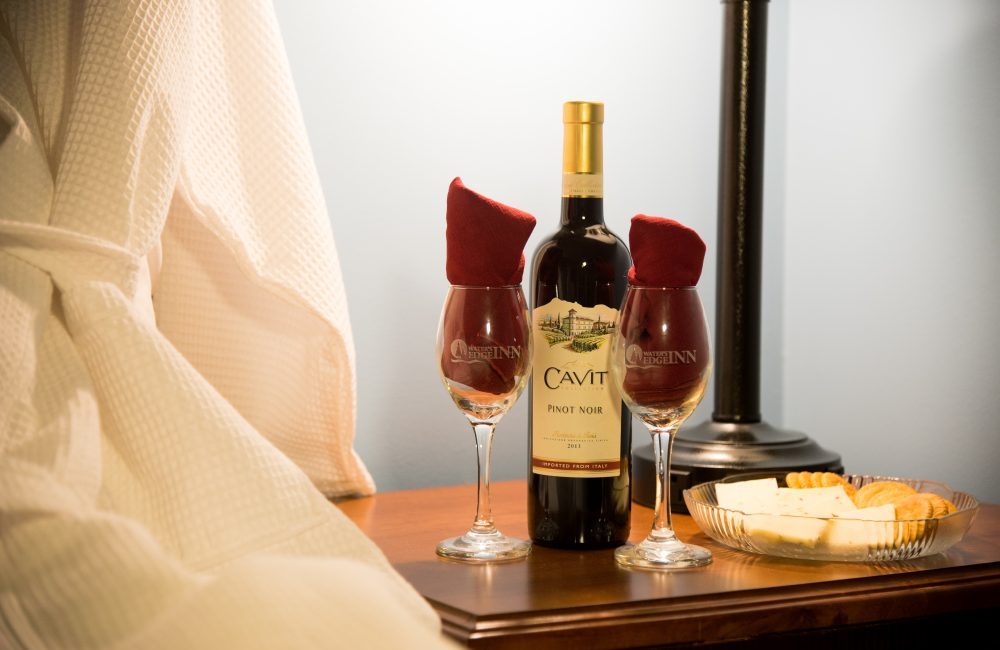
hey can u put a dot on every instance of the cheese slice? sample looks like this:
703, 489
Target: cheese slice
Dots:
766, 530
814, 502
857, 531
760, 495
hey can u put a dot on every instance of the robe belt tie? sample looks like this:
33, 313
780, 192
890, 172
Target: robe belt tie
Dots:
70, 258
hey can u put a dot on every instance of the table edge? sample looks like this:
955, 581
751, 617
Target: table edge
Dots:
841, 602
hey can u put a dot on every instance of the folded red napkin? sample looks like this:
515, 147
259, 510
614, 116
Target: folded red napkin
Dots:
665, 253
485, 248
485, 239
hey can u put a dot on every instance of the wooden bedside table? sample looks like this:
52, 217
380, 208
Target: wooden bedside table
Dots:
583, 600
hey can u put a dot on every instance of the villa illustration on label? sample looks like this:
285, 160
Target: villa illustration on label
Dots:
575, 328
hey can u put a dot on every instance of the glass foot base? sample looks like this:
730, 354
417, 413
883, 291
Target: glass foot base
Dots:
662, 555
484, 547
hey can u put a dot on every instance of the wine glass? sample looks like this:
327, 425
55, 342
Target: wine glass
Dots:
484, 354
660, 361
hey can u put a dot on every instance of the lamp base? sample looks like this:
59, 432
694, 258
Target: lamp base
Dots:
713, 450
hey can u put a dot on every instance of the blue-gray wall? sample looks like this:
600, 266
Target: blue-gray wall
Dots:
882, 200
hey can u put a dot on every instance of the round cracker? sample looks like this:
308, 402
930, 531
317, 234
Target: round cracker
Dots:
914, 506
880, 493
938, 503
793, 480
829, 479
911, 512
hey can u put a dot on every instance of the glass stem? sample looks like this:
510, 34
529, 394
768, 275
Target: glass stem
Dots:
663, 441
484, 511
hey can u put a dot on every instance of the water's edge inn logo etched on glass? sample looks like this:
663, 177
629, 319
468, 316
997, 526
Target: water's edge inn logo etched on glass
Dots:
462, 352
635, 357
576, 410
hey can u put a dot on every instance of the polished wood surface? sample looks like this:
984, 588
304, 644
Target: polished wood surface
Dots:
559, 597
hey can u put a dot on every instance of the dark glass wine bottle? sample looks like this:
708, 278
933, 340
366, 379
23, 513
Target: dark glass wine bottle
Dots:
579, 431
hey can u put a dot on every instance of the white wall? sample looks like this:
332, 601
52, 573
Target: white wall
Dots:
892, 218
866, 144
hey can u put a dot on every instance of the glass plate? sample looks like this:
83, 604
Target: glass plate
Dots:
843, 540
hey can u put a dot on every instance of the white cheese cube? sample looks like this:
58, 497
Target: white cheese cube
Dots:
766, 530
857, 531
814, 502
759, 495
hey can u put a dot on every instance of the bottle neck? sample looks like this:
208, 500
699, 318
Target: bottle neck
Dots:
583, 166
580, 212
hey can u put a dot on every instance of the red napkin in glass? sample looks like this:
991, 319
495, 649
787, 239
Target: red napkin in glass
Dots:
491, 320
665, 385
665, 253
485, 248
485, 239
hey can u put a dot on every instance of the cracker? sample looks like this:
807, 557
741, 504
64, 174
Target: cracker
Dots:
829, 479
880, 493
938, 503
911, 512
914, 506
794, 480
802, 480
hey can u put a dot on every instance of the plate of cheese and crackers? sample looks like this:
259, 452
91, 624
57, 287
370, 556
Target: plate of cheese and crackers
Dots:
827, 516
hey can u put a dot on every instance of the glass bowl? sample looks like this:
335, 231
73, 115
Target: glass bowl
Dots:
838, 539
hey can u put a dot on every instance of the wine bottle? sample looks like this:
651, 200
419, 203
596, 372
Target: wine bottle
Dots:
579, 431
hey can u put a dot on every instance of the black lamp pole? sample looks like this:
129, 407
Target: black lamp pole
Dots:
736, 439
740, 225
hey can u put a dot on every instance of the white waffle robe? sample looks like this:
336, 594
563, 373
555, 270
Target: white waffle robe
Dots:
176, 362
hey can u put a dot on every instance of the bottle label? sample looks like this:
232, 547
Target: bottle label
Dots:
576, 409
589, 185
